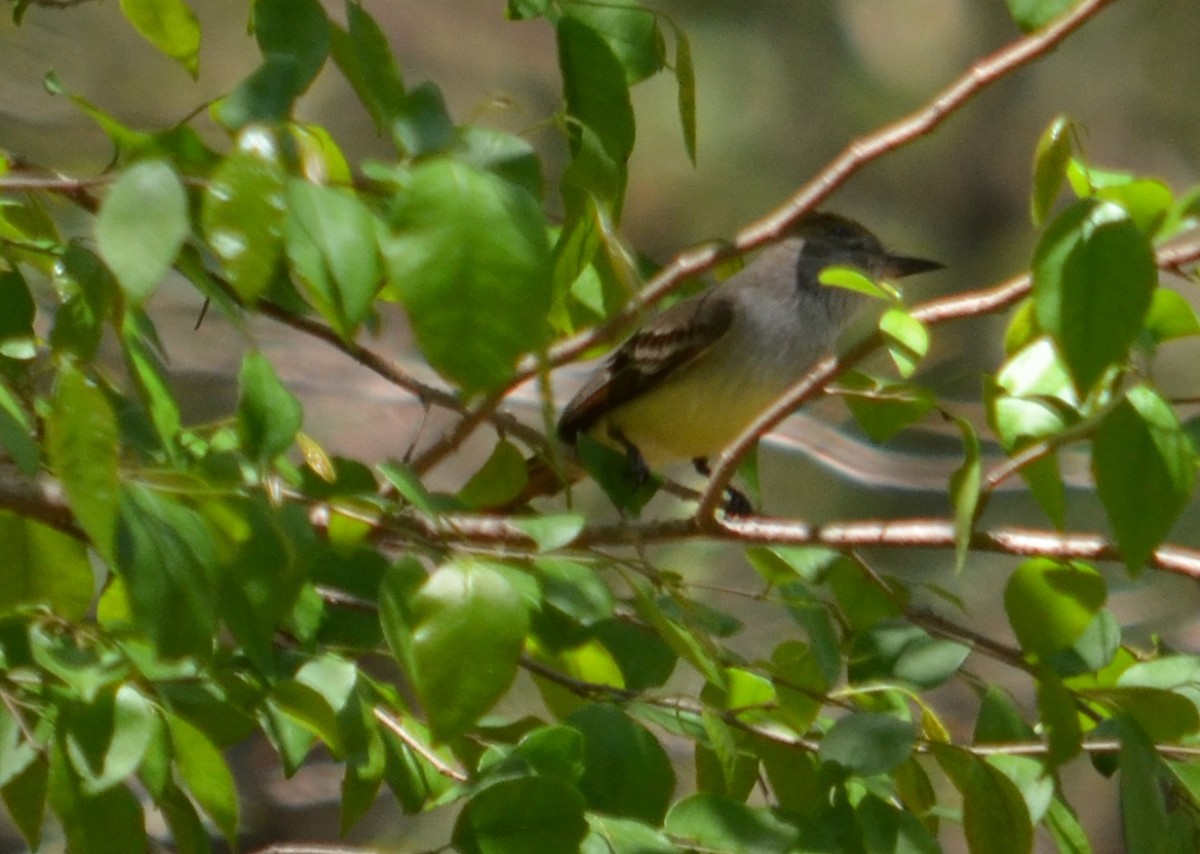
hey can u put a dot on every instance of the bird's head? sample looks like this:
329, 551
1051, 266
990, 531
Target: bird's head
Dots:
831, 240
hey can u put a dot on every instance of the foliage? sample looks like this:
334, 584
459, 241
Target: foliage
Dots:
246, 580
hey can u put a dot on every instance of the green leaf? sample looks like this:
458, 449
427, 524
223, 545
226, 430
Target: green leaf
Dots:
595, 86
1147, 821
685, 77
965, 492
1060, 718
716, 823
644, 658
896, 649
203, 770
89, 290
881, 407
170, 26
1050, 161
16, 432
1144, 467
552, 531
500, 480
611, 835
263, 570
1148, 202
1032, 15
188, 833
471, 262
628, 489
268, 414
574, 590
296, 29
907, 339
310, 710
1000, 720
503, 154
854, 280
17, 311
243, 214
409, 485
332, 247
294, 37
107, 738
1041, 399
94, 824
888, 829
868, 743
697, 648
43, 566
995, 816
81, 446
1171, 316
141, 226
1029, 776
626, 771
363, 54
1064, 826
465, 612
524, 814
523, 10
166, 555
424, 127
151, 381
1093, 280
1164, 716
25, 798
1050, 604
630, 31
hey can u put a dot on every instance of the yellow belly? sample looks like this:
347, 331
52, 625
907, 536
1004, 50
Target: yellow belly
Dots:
692, 417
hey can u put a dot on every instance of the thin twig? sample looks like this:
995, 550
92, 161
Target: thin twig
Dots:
415, 744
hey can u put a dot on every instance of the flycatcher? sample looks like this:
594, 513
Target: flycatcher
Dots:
695, 376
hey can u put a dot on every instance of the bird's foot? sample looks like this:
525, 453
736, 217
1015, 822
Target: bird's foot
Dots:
736, 503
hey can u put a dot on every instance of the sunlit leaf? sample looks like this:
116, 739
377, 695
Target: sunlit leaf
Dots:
170, 26
1144, 467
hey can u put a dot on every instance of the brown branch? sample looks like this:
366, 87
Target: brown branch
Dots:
38, 498
498, 532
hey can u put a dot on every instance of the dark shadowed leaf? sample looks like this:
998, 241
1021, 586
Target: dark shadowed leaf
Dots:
268, 414
525, 815
868, 743
713, 822
626, 770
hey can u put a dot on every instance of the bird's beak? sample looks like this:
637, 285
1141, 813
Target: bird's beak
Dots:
899, 266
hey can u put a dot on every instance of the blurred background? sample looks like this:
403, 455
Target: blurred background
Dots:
782, 87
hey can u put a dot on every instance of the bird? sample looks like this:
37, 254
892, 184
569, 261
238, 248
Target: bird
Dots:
688, 383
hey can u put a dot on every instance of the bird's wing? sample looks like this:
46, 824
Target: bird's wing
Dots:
670, 341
